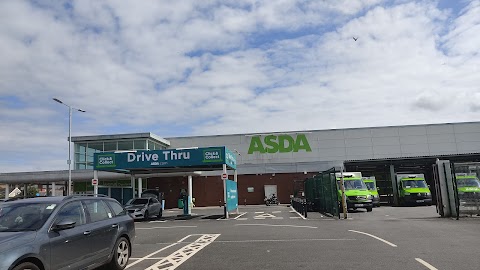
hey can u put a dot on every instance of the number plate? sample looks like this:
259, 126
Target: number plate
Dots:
359, 205
420, 201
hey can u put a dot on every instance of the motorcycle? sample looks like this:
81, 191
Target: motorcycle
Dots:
272, 200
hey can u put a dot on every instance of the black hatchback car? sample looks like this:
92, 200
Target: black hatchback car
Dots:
72, 232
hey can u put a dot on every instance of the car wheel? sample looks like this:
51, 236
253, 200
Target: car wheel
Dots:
121, 254
146, 216
369, 209
26, 266
160, 213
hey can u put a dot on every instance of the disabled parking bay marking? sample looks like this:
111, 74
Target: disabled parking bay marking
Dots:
178, 257
264, 216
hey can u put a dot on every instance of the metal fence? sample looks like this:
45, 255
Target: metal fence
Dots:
322, 194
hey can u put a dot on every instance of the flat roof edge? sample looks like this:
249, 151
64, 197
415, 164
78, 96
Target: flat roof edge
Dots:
146, 135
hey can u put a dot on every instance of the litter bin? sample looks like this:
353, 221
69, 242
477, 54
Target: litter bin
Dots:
180, 203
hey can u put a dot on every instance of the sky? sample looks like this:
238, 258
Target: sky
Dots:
185, 68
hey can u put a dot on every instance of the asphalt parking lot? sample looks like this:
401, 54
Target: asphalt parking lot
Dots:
275, 237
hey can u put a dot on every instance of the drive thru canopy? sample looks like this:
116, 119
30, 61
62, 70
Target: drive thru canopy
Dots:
167, 161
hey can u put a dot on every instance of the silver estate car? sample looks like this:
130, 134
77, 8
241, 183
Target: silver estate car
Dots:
144, 208
72, 232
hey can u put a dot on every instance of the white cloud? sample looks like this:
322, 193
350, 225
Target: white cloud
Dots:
229, 67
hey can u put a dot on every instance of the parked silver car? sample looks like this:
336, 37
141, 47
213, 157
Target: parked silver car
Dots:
144, 208
56, 233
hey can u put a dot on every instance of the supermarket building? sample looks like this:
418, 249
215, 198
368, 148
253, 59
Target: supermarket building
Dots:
281, 159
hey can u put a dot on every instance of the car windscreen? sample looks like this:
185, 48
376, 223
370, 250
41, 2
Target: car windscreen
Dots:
17, 217
138, 201
468, 182
414, 184
353, 184
370, 185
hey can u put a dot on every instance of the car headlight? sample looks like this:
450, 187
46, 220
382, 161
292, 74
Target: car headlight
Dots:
428, 194
369, 197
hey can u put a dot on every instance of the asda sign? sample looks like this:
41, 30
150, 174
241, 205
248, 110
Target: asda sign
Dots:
279, 144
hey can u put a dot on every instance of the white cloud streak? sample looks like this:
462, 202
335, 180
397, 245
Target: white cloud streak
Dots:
228, 67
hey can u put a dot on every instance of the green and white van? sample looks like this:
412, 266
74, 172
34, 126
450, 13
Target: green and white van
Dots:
468, 184
413, 190
371, 184
356, 192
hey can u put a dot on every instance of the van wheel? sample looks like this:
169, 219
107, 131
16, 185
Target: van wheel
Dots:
26, 266
146, 216
121, 254
369, 209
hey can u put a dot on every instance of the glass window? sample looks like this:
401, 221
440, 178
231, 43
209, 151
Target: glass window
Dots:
89, 166
110, 146
80, 147
140, 144
80, 166
153, 200
94, 148
79, 157
125, 145
117, 208
97, 210
20, 216
150, 145
72, 211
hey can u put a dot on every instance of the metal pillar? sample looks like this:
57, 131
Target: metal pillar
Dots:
344, 198
7, 190
132, 183
140, 187
95, 187
52, 189
189, 195
25, 187
394, 185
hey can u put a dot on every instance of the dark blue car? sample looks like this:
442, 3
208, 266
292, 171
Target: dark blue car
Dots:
73, 232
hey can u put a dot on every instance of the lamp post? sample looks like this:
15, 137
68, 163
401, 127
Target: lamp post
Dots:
69, 161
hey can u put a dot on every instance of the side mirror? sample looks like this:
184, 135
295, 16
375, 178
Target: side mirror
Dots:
64, 225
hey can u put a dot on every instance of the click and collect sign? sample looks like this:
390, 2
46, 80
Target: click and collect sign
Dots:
208, 157
232, 195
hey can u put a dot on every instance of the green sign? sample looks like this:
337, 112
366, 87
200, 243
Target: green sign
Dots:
208, 158
281, 143
106, 160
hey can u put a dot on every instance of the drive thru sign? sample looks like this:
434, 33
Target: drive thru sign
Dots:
224, 176
94, 182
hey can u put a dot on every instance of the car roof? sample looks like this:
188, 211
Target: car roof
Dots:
56, 199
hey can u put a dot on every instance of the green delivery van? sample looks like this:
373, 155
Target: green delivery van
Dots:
356, 192
371, 184
413, 190
468, 185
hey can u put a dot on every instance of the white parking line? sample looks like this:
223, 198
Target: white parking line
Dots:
277, 218
294, 217
171, 227
276, 225
149, 255
157, 221
243, 218
240, 215
180, 256
429, 266
283, 240
295, 211
276, 212
151, 258
376, 237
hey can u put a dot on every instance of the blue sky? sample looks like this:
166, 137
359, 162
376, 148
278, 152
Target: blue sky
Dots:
222, 67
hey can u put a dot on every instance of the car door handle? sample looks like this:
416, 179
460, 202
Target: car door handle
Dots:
87, 232
115, 226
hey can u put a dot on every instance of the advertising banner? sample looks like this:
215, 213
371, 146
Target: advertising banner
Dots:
232, 195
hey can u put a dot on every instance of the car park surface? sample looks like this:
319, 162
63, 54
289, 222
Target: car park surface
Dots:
276, 237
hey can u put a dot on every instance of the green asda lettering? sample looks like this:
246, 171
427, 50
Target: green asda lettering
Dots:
282, 143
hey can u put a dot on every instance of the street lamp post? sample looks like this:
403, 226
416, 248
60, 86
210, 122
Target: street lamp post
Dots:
69, 161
